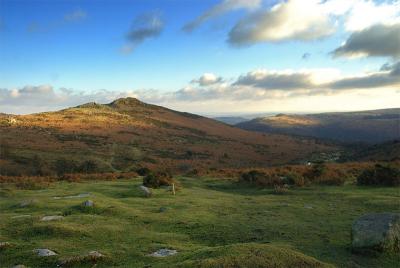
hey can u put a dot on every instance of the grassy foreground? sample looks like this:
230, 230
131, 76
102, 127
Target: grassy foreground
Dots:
212, 223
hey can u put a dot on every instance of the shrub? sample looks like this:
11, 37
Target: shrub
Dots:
383, 175
88, 166
317, 170
260, 178
155, 180
144, 171
63, 166
294, 178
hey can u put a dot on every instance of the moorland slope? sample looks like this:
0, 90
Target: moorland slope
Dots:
126, 134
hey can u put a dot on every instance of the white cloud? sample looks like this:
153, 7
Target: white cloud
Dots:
207, 79
294, 19
219, 9
145, 26
363, 14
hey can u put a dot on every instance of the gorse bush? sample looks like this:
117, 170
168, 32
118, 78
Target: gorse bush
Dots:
260, 178
322, 174
382, 175
293, 178
155, 180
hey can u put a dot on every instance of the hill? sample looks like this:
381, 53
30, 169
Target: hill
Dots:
231, 120
366, 126
126, 134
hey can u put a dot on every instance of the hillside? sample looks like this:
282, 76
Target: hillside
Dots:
231, 120
127, 134
365, 126
386, 151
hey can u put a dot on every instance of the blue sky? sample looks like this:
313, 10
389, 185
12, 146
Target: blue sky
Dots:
80, 50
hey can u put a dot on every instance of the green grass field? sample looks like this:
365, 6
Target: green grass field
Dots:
212, 223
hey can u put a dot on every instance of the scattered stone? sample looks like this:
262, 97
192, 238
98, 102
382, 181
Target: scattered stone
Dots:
164, 252
27, 203
162, 209
21, 216
88, 203
146, 191
52, 218
4, 245
44, 252
377, 232
72, 196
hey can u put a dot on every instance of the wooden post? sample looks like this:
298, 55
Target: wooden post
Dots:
173, 188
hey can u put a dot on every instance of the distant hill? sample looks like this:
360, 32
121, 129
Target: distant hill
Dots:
365, 126
231, 120
126, 134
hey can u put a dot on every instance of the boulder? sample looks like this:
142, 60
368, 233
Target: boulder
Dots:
146, 191
376, 232
44, 252
88, 203
164, 252
52, 218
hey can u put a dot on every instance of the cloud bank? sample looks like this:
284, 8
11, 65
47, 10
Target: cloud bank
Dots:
255, 86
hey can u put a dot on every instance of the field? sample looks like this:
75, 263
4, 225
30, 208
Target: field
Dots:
210, 222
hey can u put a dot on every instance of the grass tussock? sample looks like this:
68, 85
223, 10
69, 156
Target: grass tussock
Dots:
42, 230
251, 255
91, 259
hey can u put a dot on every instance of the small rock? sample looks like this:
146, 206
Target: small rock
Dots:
95, 254
88, 203
44, 252
27, 203
164, 252
146, 191
162, 209
376, 231
19, 266
4, 245
52, 218
308, 207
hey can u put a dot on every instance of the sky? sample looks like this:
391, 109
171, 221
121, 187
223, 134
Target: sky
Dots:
211, 57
